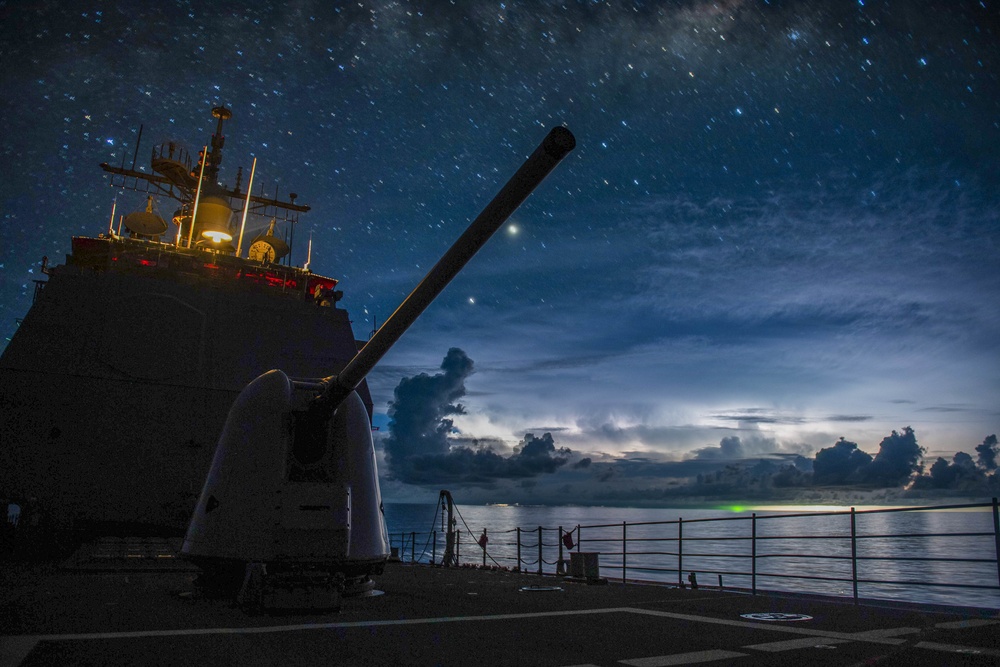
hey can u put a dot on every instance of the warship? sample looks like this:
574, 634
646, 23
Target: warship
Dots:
149, 358
116, 384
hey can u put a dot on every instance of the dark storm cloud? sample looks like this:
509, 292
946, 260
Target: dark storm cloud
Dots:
961, 473
987, 452
843, 463
423, 446
477, 464
419, 411
898, 458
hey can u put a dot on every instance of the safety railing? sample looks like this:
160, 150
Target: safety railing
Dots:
890, 553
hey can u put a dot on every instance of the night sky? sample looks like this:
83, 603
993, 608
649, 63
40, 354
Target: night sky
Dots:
780, 226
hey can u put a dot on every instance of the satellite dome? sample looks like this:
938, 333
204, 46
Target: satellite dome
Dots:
145, 223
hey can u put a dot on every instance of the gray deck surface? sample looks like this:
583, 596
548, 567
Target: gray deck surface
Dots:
433, 616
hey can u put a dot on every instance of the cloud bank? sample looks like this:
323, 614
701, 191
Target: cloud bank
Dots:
424, 448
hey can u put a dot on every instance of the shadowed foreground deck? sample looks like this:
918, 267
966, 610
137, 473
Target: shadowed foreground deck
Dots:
432, 616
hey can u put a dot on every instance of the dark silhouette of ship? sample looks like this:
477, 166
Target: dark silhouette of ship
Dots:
116, 384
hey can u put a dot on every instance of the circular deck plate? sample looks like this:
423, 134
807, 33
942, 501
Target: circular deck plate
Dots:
776, 616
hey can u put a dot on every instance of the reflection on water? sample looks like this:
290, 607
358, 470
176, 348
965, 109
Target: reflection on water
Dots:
946, 557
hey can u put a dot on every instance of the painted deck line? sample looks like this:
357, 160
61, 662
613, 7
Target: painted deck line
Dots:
956, 648
877, 637
795, 644
683, 658
888, 632
14, 649
967, 623
772, 627
268, 629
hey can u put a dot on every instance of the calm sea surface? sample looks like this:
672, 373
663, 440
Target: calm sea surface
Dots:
895, 552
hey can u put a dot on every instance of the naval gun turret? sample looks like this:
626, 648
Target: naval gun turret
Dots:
293, 488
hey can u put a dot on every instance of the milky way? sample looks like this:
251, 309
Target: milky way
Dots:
781, 222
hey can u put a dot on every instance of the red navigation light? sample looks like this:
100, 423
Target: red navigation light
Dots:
147, 262
273, 278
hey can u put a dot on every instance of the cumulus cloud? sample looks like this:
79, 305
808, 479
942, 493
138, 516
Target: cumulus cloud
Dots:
964, 473
421, 408
897, 460
730, 447
424, 447
988, 452
843, 463
959, 473
751, 443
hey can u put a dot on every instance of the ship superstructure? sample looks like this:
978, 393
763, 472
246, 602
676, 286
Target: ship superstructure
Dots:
116, 384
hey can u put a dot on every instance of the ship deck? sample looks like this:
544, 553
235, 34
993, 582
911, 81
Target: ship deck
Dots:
462, 616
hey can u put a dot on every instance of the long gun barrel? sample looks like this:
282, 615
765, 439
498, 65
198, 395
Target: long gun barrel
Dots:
556, 145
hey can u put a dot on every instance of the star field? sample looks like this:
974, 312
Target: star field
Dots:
780, 224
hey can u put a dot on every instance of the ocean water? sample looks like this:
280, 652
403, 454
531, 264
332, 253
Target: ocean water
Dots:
941, 556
